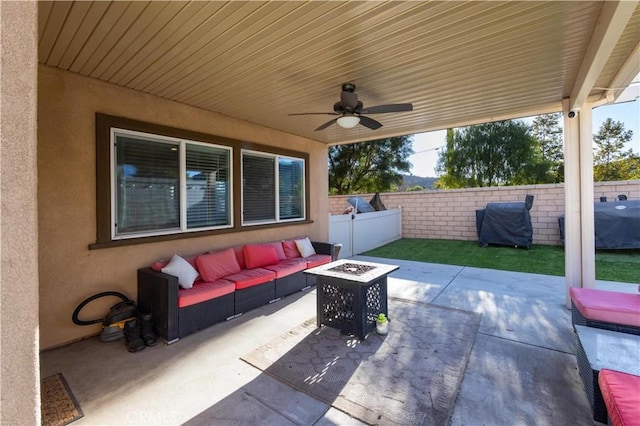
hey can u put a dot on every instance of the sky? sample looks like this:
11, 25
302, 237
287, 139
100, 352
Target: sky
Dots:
426, 145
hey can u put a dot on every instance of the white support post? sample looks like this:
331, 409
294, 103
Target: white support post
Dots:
572, 217
579, 239
586, 191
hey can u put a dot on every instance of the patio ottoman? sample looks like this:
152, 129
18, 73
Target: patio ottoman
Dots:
621, 394
608, 310
598, 349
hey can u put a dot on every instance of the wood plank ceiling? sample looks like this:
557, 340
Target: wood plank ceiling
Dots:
459, 63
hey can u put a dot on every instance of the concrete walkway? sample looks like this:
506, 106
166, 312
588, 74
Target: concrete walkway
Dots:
522, 370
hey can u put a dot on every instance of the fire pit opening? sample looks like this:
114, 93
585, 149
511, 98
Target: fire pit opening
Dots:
352, 268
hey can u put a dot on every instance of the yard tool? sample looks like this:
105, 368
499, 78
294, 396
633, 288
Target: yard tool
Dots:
113, 322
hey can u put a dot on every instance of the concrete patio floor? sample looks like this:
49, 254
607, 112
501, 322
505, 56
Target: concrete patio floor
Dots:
522, 369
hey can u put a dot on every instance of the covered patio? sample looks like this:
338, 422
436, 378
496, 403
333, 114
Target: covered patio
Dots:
521, 371
230, 73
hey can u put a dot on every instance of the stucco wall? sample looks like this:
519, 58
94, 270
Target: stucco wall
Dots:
450, 215
69, 271
19, 352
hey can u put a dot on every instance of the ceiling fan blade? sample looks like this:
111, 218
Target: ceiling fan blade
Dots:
380, 109
370, 123
349, 100
314, 113
327, 124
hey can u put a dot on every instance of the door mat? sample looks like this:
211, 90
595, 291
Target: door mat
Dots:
410, 376
58, 405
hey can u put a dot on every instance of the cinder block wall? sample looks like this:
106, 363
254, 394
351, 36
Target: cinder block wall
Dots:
450, 214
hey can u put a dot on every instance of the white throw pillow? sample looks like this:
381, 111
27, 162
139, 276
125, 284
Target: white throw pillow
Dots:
182, 269
305, 247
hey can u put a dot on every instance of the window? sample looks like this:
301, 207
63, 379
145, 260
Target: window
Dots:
160, 183
273, 188
291, 195
164, 185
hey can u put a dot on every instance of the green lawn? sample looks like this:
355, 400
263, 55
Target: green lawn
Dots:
611, 265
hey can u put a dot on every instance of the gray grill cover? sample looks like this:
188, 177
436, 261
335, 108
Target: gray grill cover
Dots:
505, 224
617, 225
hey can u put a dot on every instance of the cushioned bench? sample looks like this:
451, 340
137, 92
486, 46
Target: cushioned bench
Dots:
621, 394
608, 310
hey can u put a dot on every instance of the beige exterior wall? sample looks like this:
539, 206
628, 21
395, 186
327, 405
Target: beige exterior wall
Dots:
69, 271
450, 215
20, 368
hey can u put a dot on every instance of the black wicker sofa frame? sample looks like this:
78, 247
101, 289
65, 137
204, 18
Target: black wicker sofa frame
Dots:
578, 319
158, 294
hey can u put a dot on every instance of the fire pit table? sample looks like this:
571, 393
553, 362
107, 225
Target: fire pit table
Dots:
351, 294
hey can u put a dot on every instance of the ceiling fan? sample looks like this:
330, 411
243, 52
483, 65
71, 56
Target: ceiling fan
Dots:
351, 111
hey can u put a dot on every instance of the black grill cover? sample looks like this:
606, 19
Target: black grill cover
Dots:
376, 203
505, 224
617, 225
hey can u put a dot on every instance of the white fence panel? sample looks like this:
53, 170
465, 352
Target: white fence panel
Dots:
340, 230
366, 231
372, 230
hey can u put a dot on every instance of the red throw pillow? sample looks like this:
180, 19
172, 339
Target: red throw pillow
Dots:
278, 246
158, 265
213, 266
257, 256
290, 249
240, 256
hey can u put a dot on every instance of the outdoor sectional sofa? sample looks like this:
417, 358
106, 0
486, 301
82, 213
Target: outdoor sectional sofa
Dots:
190, 293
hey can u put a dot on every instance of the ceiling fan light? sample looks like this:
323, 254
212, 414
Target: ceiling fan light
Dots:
348, 121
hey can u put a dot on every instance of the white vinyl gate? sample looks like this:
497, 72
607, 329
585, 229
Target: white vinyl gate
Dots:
359, 233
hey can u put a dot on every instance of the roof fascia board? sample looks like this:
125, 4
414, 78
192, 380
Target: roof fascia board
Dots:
611, 23
625, 75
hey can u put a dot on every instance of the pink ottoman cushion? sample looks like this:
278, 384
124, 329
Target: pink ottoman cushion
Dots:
621, 394
607, 306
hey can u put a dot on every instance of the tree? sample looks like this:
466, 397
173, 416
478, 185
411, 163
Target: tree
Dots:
546, 129
448, 162
490, 154
415, 188
611, 160
373, 166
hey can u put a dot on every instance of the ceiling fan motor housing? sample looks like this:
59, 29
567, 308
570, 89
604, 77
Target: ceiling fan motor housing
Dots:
339, 108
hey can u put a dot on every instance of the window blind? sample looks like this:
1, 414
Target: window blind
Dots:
258, 188
147, 185
208, 186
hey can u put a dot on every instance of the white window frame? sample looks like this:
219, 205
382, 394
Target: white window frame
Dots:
276, 158
182, 146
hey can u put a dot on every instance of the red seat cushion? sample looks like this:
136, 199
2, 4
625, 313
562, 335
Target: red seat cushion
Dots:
287, 267
259, 255
250, 277
607, 306
621, 394
202, 291
317, 260
213, 266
